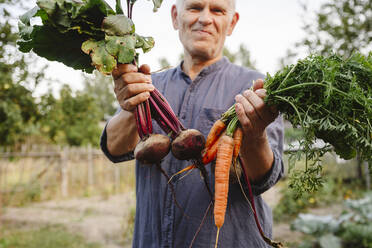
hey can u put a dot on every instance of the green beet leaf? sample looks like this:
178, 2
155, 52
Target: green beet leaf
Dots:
101, 59
46, 42
157, 4
66, 14
122, 48
82, 34
66, 25
146, 43
118, 25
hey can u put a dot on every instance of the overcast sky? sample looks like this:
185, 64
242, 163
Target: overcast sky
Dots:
266, 27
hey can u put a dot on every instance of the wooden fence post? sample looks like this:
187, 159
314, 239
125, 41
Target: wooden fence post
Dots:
64, 172
90, 166
117, 178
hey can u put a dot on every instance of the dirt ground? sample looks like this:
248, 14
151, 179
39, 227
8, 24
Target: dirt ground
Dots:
104, 220
96, 219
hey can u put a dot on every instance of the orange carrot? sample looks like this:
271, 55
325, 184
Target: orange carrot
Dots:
238, 137
190, 167
223, 162
210, 153
215, 132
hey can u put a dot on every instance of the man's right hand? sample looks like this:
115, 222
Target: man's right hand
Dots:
132, 85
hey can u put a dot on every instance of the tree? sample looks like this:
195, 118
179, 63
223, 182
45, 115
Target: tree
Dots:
18, 109
341, 26
101, 89
72, 119
164, 63
241, 57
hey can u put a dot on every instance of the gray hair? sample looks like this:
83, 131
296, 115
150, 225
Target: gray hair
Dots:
180, 2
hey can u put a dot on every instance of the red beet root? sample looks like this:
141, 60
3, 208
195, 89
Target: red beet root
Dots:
188, 144
153, 149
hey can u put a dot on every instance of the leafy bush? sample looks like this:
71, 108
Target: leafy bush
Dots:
333, 190
292, 204
357, 235
353, 228
72, 119
22, 195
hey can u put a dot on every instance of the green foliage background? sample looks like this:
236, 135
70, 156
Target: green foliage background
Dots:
340, 26
72, 119
44, 237
65, 118
17, 106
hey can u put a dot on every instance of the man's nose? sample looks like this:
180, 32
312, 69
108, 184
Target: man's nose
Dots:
205, 17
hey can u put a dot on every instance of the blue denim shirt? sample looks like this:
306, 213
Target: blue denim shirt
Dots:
198, 104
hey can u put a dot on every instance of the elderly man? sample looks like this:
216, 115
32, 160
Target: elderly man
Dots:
199, 90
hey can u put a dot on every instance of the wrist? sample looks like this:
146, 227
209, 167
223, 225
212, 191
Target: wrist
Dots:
255, 142
257, 156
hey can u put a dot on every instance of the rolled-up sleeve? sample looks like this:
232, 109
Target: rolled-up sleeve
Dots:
275, 133
112, 158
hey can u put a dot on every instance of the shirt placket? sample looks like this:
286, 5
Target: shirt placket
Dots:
186, 118
186, 113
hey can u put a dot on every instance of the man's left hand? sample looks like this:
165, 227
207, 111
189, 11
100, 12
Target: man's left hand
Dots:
254, 115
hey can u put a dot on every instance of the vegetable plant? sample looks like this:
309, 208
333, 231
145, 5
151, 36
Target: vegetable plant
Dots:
352, 228
330, 98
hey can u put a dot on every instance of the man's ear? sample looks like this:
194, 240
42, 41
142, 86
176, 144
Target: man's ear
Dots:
234, 21
174, 14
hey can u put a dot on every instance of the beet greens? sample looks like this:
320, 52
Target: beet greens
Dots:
84, 35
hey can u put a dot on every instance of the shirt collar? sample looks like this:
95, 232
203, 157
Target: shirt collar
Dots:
207, 70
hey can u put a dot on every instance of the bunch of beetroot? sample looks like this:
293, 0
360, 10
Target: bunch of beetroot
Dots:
185, 144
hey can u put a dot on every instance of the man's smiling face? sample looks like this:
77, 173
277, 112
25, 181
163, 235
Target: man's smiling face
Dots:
203, 25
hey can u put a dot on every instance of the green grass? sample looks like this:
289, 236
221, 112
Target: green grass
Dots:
128, 226
44, 237
333, 191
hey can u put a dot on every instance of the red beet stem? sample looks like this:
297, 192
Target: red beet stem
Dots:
163, 104
163, 117
250, 195
148, 117
163, 125
142, 117
138, 122
131, 9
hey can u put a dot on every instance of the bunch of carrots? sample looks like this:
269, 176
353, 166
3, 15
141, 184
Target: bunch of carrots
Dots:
223, 145
227, 125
